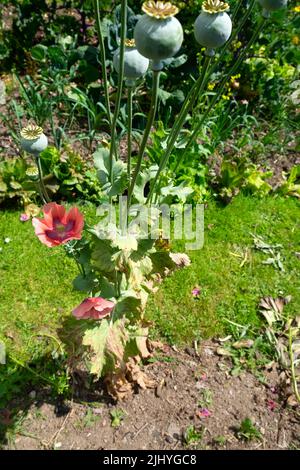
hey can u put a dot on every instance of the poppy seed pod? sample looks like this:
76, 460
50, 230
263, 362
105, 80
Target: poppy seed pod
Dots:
272, 5
213, 26
33, 140
158, 34
135, 65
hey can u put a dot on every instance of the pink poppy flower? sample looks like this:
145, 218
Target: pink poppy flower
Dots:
58, 226
95, 308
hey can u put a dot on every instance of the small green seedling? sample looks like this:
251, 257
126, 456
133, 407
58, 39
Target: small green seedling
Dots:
117, 416
193, 435
248, 431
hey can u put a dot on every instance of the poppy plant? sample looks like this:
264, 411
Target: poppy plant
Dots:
94, 308
58, 225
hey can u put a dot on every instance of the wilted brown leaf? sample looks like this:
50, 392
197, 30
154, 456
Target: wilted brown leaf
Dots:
244, 343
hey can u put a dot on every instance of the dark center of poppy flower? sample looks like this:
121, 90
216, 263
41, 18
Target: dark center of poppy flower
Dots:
60, 231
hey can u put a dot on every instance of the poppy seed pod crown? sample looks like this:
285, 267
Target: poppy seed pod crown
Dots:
213, 26
158, 34
135, 65
33, 140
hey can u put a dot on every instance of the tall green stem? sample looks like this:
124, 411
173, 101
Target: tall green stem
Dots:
236, 10
43, 190
222, 87
150, 121
129, 131
103, 60
120, 86
197, 89
235, 32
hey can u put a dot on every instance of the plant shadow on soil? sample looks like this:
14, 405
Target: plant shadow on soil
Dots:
56, 377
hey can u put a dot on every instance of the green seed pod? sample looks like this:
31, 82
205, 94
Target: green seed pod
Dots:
272, 5
213, 26
33, 140
135, 65
32, 173
158, 34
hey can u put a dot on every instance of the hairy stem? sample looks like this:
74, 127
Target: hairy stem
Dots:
120, 86
103, 60
221, 88
43, 191
129, 131
150, 121
196, 91
236, 9
235, 33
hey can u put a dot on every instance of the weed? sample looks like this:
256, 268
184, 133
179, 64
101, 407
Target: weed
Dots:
248, 431
117, 415
88, 420
193, 436
206, 398
220, 440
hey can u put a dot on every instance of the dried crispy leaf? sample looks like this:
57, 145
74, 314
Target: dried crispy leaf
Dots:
223, 352
272, 309
142, 343
136, 375
244, 343
118, 386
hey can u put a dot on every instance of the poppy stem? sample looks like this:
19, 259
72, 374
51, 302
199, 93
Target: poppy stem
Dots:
113, 151
43, 191
221, 88
129, 131
103, 60
150, 121
194, 93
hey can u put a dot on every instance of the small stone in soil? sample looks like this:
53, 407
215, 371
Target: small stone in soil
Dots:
174, 431
169, 439
190, 351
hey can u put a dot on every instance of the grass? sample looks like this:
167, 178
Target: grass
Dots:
230, 291
36, 291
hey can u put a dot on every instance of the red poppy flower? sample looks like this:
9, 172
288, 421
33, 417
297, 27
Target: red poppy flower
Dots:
58, 225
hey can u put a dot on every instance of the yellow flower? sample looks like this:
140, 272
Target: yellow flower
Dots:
211, 86
237, 45
262, 50
297, 9
234, 77
296, 40
225, 97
